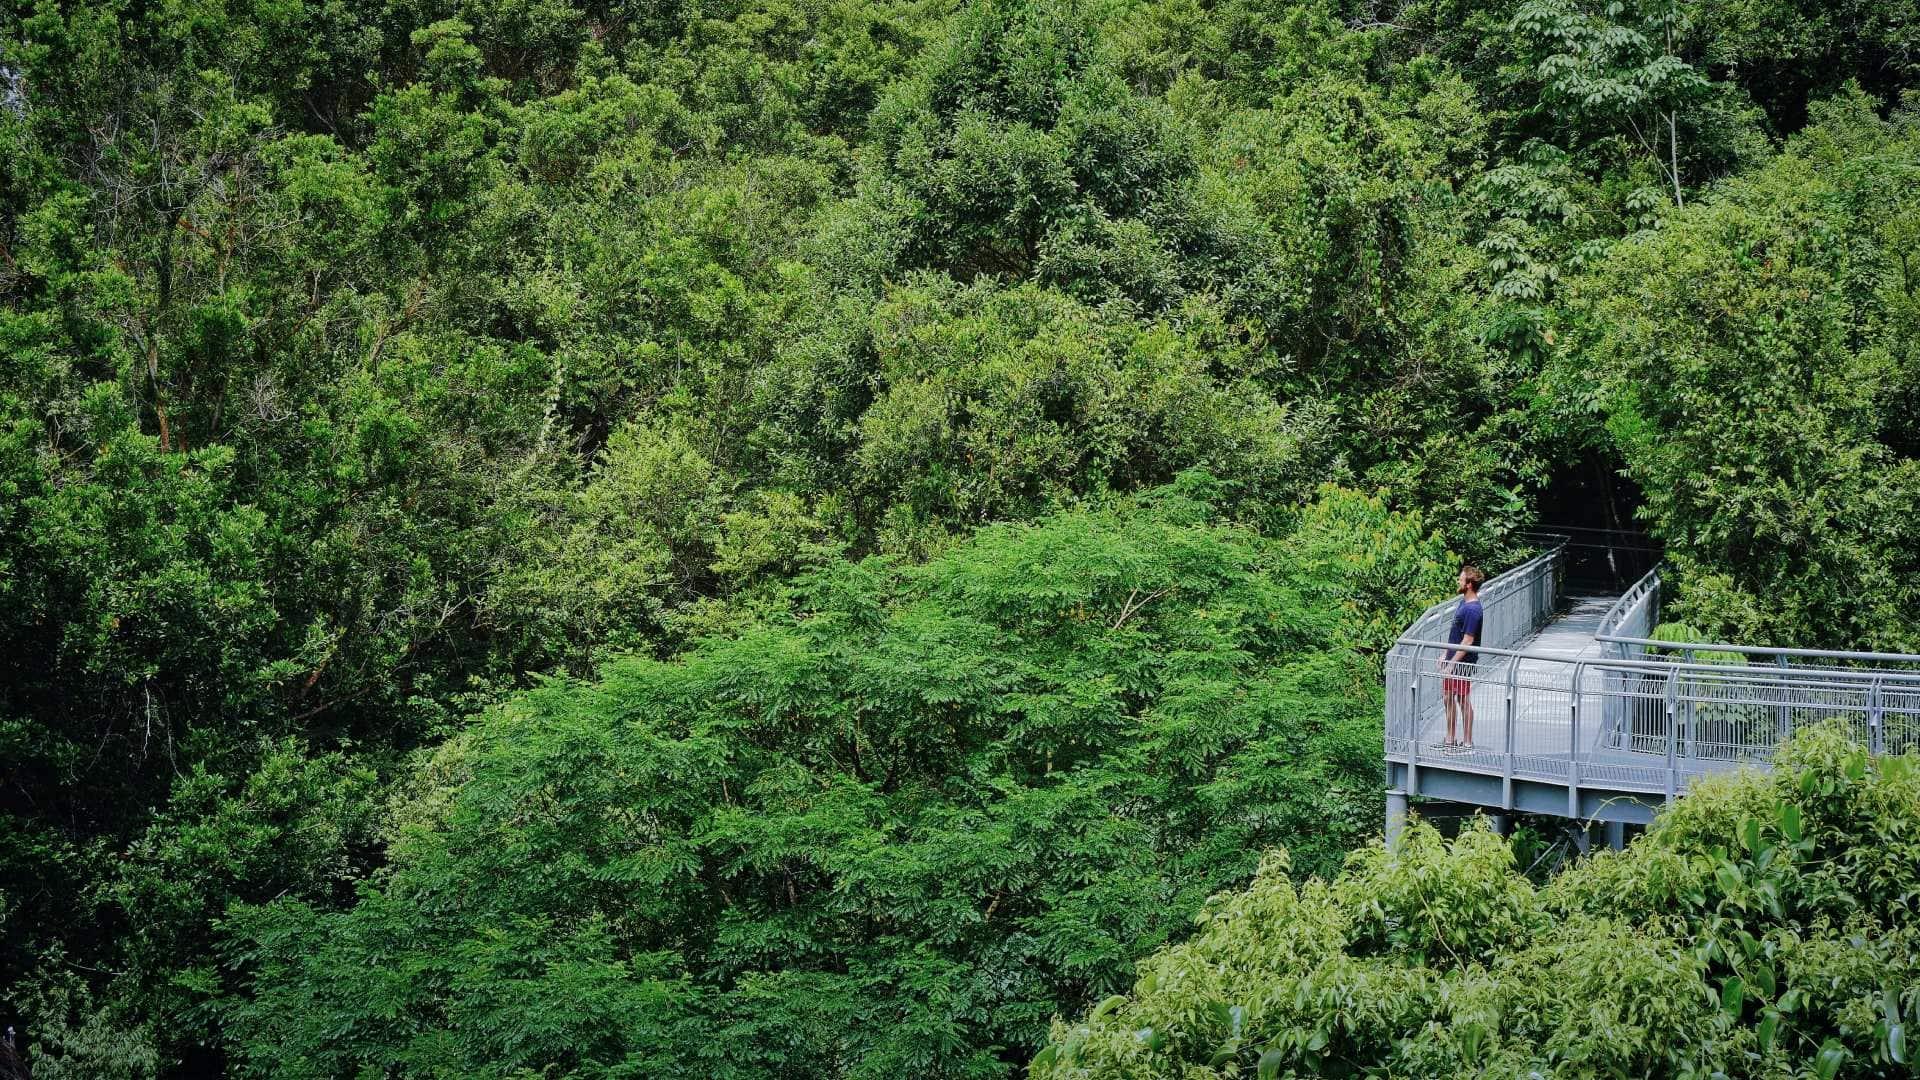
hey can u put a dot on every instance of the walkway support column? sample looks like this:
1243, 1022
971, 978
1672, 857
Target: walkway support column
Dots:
1617, 835
1396, 817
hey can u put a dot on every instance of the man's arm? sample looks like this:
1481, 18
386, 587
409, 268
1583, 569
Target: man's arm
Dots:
1454, 657
1466, 641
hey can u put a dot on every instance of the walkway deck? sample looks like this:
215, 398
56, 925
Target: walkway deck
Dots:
1541, 720
1577, 713
1526, 761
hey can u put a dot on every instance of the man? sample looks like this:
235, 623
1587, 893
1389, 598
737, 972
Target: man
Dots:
1456, 690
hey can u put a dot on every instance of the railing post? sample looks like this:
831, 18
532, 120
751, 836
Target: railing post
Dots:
1573, 746
1673, 738
1693, 732
1786, 713
1612, 704
1413, 724
1876, 743
1506, 769
1396, 817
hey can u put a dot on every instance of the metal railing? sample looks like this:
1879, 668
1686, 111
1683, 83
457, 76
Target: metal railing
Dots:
1629, 713
1514, 605
1629, 624
1633, 616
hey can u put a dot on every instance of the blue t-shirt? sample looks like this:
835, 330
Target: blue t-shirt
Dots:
1466, 620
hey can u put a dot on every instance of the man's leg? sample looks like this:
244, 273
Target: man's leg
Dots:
1466, 716
1446, 697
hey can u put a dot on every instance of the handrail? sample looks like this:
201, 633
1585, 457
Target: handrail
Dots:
1797, 675
1650, 584
1761, 650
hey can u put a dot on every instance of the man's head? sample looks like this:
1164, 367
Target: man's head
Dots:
1470, 579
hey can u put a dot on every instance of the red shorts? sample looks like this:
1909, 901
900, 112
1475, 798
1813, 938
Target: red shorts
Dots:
1458, 682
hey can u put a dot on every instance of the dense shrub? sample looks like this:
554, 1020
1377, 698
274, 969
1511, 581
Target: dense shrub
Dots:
890, 831
1763, 927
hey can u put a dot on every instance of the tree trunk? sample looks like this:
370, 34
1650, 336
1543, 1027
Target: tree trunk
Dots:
1673, 155
159, 400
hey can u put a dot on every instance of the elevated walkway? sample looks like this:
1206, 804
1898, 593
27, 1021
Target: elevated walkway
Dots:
1578, 713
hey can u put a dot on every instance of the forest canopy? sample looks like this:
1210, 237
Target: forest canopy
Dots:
883, 832
806, 538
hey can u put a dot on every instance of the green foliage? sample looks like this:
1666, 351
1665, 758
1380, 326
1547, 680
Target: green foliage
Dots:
72, 1036
1762, 928
364, 365
1612, 73
292, 828
1757, 357
1381, 568
1792, 52
998, 404
924, 810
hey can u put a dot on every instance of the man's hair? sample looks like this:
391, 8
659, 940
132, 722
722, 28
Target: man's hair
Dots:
1474, 577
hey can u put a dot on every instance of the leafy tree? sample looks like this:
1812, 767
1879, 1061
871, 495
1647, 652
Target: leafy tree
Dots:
1003, 403
923, 810
1619, 68
1379, 567
294, 827
1010, 127
1757, 356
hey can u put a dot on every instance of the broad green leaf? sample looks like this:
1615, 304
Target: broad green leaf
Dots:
1727, 876
1733, 996
1827, 1062
1789, 814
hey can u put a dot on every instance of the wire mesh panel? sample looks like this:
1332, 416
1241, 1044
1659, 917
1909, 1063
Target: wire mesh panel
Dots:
1811, 701
1727, 713
1636, 702
1900, 716
1539, 730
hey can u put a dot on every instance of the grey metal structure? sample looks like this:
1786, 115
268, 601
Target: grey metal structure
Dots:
13, 91
1580, 713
